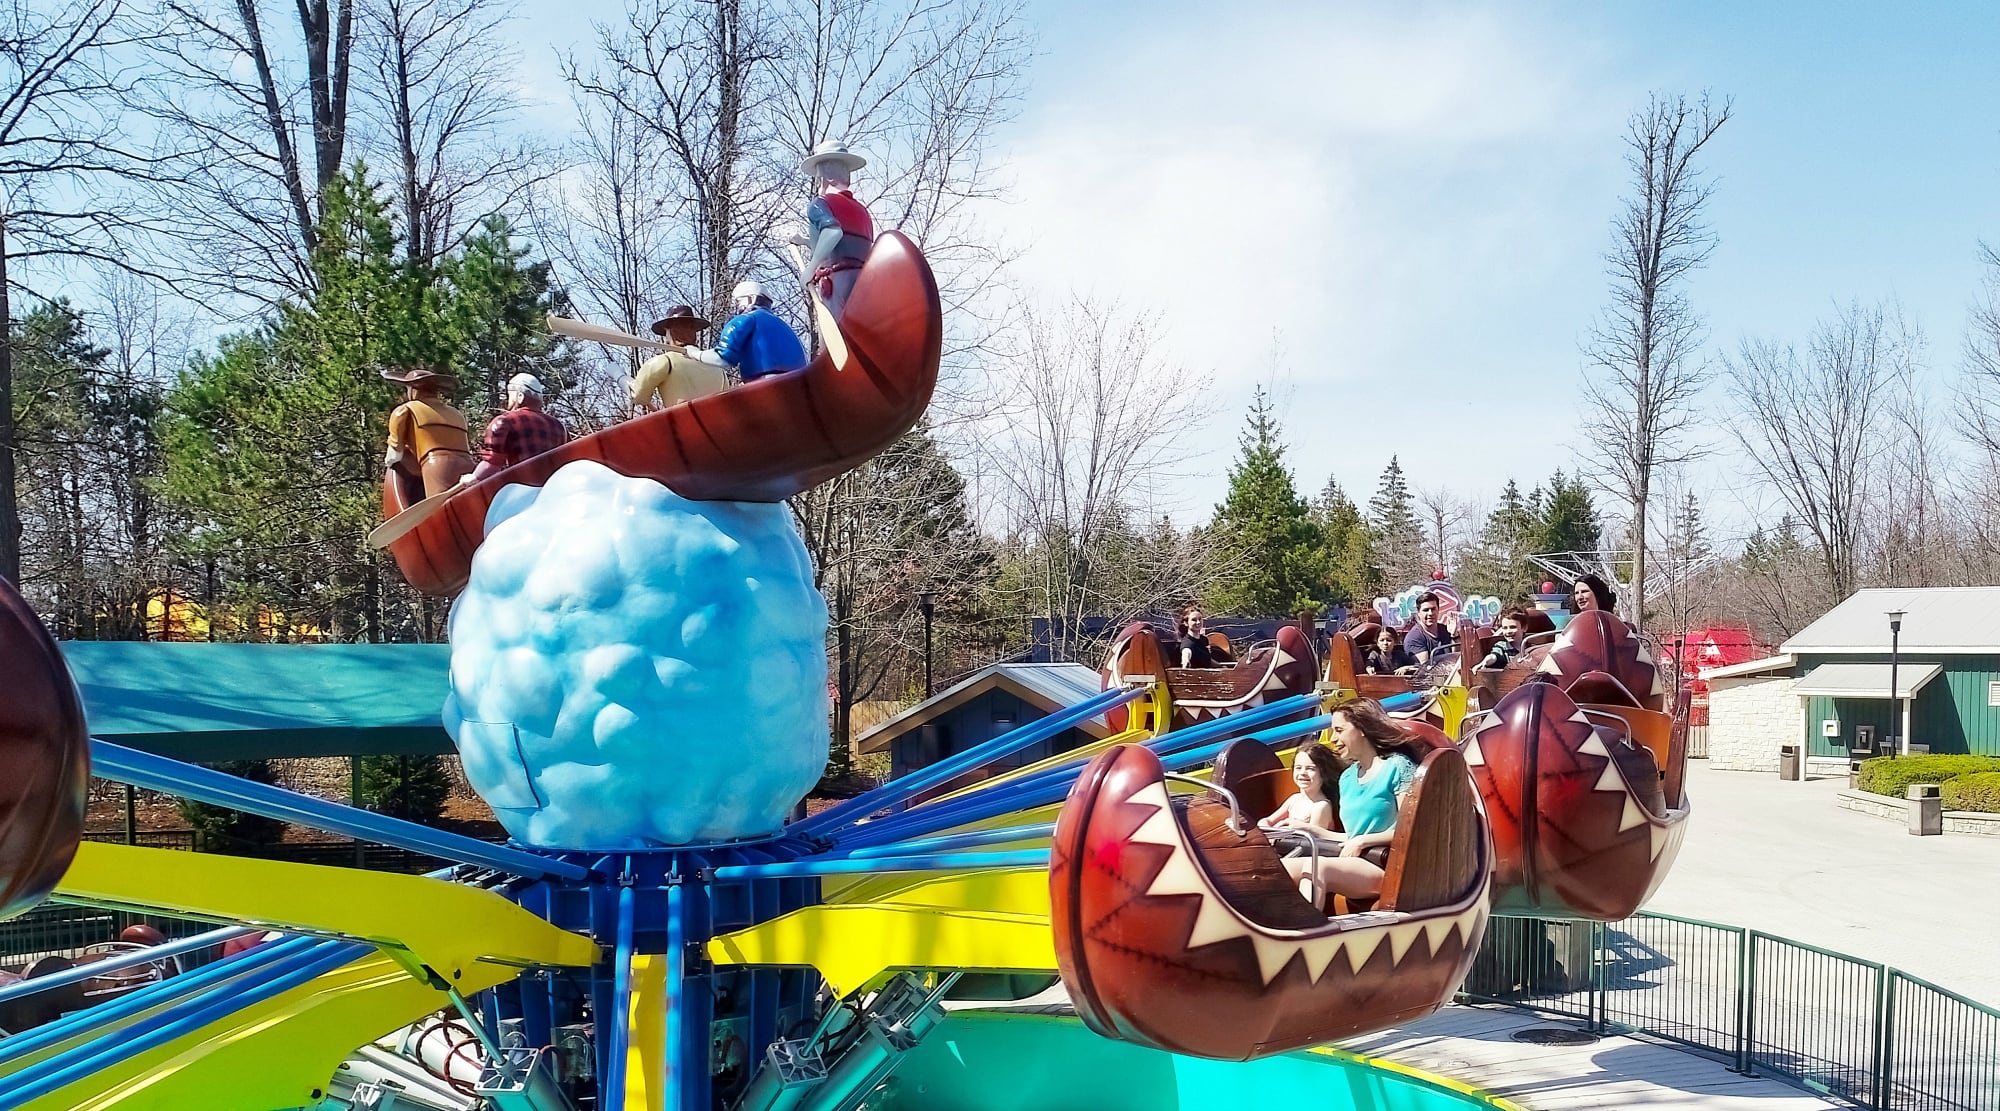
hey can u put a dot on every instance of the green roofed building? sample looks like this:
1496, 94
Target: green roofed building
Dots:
1828, 689
208, 702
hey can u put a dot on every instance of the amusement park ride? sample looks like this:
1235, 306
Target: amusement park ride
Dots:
792, 964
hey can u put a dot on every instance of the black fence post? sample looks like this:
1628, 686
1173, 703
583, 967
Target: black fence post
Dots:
1885, 1035
1746, 990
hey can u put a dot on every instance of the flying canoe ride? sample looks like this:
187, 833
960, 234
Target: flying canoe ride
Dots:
762, 441
1582, 770
1284, 667
1178, 927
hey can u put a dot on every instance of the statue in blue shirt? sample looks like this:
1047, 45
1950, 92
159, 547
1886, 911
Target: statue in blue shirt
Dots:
756, 341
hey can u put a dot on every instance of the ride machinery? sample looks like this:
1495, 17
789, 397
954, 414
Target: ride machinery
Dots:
1578, 747
774, 964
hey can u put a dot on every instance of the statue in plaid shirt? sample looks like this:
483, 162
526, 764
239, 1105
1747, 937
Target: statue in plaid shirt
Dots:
523, 431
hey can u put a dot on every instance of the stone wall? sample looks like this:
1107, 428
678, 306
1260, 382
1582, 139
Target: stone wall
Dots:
1748, 718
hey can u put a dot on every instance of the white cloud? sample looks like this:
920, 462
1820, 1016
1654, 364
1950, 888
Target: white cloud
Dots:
1414, 205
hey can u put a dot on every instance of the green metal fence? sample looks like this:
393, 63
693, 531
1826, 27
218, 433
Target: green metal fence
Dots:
1861, 1032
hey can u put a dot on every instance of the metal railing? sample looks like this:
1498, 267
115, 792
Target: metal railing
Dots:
1860, 1032
57, 929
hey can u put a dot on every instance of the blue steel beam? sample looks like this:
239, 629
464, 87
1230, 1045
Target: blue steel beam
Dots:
116, 961
141, 769
935, 815
677, 1069
944, 771
619, 1028
929, 862
177, 1020
1042, 790
137, 1002
977, 839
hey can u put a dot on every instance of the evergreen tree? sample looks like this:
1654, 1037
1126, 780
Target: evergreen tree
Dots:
1568, 519
493, 315
220, 829
1263, 522
1498, 563
1399, 538
412, 788
1689, 532
1351, 569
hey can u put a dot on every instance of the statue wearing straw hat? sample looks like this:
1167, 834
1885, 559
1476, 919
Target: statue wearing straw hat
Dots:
674, 376
840, 231
429, 448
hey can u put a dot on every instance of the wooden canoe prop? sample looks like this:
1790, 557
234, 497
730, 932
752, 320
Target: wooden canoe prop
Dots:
1268, 672
1172, 930
763, 441
1582, 779
44, 759
1346, 667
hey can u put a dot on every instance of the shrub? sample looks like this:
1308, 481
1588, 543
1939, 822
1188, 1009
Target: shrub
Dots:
1979, 791
412, 788
1890, 775
220, 829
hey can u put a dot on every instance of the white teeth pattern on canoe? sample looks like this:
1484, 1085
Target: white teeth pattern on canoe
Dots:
1473, 757
1216, 922
1660, 834
1610, 780
1633, 816
1594, 746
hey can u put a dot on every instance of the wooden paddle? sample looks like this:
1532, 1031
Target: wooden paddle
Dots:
598, 333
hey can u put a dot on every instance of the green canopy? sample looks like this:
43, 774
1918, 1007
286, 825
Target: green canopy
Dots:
241, 701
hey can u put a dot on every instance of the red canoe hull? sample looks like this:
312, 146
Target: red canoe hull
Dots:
763, 441
44, 759
1151, 955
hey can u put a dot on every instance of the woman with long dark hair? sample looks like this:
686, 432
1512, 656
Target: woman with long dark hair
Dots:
1592, 593
1382, 764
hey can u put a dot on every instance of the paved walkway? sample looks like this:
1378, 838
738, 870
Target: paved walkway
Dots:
1783, 858
1476, 1045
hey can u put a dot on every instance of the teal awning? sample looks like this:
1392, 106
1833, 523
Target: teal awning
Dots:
239, 701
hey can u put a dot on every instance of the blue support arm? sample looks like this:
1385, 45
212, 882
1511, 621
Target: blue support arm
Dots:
142, 769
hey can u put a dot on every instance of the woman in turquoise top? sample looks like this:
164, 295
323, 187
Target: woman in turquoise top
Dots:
1381, 766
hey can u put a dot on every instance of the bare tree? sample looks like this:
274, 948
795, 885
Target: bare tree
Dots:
260, 139
1645, 376
59, 136
1980, 390
1095, 435
1446, 517
440, 101
1812, 427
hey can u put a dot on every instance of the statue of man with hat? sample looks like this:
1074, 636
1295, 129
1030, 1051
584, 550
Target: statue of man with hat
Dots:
429, 449
523, 431
840, 231
673, 376
756, 341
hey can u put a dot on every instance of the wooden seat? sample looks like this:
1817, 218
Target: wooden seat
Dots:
1435, 858
1261, 781
1344, 669
1600, 689
1247, 870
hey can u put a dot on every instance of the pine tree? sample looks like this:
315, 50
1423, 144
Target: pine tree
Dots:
412, 788
493, 314
1268, 526
1399, 538
275, 443
1498, 564
1568, 520
1349, 547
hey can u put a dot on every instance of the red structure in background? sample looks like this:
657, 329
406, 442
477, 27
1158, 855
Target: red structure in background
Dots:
1707, 646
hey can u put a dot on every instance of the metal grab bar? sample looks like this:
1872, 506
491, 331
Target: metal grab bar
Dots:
1318, 895
1236, 824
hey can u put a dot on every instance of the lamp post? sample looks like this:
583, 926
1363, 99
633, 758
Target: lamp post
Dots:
927, 604
1895, 648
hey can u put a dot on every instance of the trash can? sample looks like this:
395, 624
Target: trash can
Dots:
1788, 762
1926, 810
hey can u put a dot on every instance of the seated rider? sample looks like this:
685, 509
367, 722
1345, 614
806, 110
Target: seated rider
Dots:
523, 431
756, 341
1509, 644
1428, 636
1195, 649
1382, 764
1389, 657
1315, 769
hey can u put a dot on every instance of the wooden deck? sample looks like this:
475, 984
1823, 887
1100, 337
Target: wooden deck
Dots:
1476, 1045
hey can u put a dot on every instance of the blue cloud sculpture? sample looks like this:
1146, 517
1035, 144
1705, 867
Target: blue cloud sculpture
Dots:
630, 668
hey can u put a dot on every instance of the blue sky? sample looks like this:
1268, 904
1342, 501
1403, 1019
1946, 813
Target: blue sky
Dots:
1409, 203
